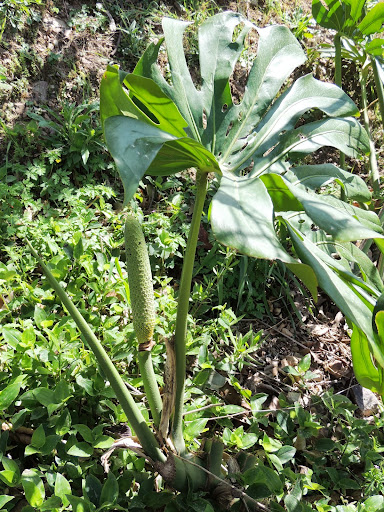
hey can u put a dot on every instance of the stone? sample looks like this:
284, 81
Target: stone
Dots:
40, 91
366, 400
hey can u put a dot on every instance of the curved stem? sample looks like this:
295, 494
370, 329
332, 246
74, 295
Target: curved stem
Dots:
135, 418
182, 311
375, 176
379, 87
144, 359
338, 81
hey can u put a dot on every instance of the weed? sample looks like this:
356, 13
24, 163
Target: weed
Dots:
300, 23
88, 19
14, 13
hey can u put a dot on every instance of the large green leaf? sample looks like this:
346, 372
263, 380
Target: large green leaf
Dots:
333, 216
345, 134
341, 258
162, 109
345, 296
340, 15
127, 94
256, 134
140, 148
330, 13
321, 175
375, 48
306, 93
237, 134
367, 374
350, 253
373, 21
242, 217
350, 19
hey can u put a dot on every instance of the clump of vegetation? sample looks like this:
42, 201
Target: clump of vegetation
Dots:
66, 441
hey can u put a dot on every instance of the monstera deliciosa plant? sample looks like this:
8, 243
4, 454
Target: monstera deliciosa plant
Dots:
264, 204
156, 126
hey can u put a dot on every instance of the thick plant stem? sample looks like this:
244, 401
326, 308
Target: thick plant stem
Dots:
337, 42
379, 88
338, 81
135, 418
214, 449
144, 359
182, 311
375, 176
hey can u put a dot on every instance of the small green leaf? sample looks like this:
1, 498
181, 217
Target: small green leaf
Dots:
78, 250
92, 489
79, 504
348, 483
110, 490
85, 432
275, 461
215, 380
292, 503
248, 440
30, 450
10, 393
291, 370
85, 156
6, 274
305, 363
9, 477
38, 437
81, 450
45, 396
11, 336
194, 428
86, 384
261, 474
50, 444
270, 444
62, 488
4, 499
28, 337
103, 442
62, 392
324, 444
286, 453
33, 488
50, 504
